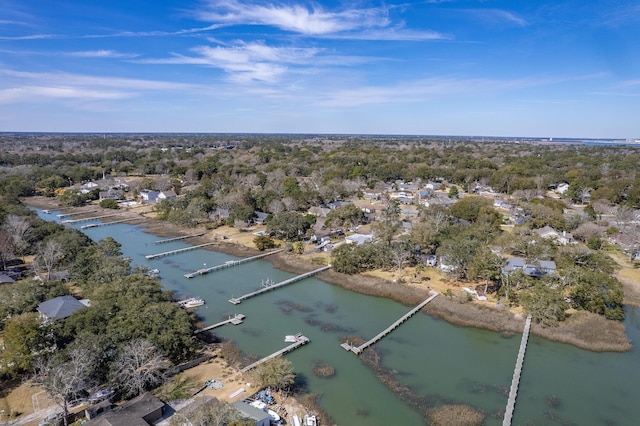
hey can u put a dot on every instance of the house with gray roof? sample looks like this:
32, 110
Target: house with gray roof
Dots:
536, 269
60, 307
248, 411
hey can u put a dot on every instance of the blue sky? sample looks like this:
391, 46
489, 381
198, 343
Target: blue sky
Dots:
494, 68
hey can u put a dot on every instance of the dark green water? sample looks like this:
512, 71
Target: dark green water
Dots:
438, 361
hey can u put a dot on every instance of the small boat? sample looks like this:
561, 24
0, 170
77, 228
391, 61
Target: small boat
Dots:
46, 211
310, 420
154, 273
292, 338
192, 302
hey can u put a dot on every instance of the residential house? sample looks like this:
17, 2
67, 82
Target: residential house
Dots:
167, 195
149, 196
143, 410
358, 239
562, 188
319, 211
219, 214
434, 186
535, 269
371, 194
252, 413
60, 307
110, 194
549, 233
183, 415
6, 279
260, 217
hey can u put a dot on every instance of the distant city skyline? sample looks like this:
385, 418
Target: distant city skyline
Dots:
568, 69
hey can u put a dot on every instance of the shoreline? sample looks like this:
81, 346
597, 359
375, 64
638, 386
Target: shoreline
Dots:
582, 329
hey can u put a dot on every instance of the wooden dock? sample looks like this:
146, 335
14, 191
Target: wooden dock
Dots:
300, 340
358, 349
93, 225
184, 237
87, 219
182, 250
62, 215
515, 381
237, 300
235, 320
229, 264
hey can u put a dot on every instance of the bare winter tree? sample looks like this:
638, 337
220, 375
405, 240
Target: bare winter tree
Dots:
276, 207
48, 256
19, 229
290, 204
64, 378
139, 366
7, 249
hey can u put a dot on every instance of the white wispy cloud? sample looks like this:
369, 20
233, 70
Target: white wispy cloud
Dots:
100, 54
28, 37
120, 34
246, 61
497, 16
21, 86
28, 93
312, 20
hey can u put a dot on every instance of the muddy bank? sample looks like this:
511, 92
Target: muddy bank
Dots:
582, 329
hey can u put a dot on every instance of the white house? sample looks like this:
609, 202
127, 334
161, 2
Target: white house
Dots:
358, 239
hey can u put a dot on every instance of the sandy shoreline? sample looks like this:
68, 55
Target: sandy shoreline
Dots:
582, 329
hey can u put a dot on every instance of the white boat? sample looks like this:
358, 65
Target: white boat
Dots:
310, 420
154, 273
292, 338
46, 211
275, 417
192, 302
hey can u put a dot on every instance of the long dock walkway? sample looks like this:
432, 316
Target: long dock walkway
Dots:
300, 340
515, 381
182, 250
184, 237
237, 300
62, 215
87, 219
235, 320
94, 225
358, 349
229, 264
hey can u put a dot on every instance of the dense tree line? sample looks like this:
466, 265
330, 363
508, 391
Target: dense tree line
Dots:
229, 177
129, 337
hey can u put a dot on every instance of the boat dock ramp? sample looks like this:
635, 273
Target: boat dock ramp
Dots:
229, 264
182, 250
93, 225
358, 349
184, 237
87, 219
237, 300
235, 320
300, 340
515, 381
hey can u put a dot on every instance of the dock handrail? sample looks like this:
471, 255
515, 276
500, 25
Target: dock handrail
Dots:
237, 300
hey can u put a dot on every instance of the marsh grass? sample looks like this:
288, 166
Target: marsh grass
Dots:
455, 415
